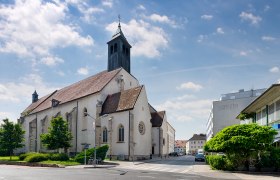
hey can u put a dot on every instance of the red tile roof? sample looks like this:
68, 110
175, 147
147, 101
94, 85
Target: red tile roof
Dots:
121, 101
75, 91
180, 143
157, 118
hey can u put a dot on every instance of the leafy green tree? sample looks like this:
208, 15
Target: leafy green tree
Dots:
240, 142
11, 137
58, 135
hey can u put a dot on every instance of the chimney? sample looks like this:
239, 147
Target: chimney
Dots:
34, 97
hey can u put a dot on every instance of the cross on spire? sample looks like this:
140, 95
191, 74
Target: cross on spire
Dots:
119, 16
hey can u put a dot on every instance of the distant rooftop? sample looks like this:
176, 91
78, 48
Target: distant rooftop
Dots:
242, 94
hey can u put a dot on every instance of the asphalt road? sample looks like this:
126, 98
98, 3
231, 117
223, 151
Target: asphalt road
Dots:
174, 168
34, 173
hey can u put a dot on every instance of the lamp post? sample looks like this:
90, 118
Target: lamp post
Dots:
104, 115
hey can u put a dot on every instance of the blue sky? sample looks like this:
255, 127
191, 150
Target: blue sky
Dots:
186, 53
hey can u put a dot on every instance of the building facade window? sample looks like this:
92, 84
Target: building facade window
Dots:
105, 135
121, 133
85, 112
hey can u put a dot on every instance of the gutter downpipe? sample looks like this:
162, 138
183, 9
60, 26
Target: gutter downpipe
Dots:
158, 141
76, 148
36, 138
128, 135
266, 109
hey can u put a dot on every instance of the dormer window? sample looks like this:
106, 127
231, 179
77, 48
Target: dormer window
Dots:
55, 102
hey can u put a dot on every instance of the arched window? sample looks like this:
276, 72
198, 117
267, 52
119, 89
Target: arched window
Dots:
105, 135
112, 49
123, 49
115, 47
121, 133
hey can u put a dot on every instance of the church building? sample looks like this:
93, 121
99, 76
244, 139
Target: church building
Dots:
110, 107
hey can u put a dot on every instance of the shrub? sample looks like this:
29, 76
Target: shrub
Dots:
275, 158
38, 157
23, 156
100, 153
58, 157
217, 162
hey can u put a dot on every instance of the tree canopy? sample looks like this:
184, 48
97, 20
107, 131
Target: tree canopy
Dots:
58, 135
11, 136
242, 138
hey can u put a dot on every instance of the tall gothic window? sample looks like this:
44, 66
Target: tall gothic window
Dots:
121, 133
115, 47
105, 135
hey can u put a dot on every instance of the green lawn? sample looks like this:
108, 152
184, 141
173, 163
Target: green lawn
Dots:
65, 163
7, 158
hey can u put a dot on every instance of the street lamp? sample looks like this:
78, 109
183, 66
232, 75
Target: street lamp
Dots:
104, 115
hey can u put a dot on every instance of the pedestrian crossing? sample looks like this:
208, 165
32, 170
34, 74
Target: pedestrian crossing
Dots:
158, 167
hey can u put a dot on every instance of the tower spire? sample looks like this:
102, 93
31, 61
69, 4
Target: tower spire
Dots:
119, 26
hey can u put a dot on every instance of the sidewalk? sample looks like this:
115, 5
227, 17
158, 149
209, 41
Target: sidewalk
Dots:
205, 170
114, 163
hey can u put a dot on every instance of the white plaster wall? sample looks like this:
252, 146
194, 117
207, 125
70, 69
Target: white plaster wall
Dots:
225, 112
86, 136
113, 86
164, 136
171, 134
155, 139
141, 112
118, 148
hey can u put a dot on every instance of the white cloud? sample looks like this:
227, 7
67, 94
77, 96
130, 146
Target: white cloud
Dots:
266, 8
185, 111
146, 40
14, 92
185, 97
268, 38
32, 29
243, 53
189, 86
274, 69
51, 61
4, 115
83, 71
107, 3
162, 19
61, 73
201, 38
207, 17
254, 20
220, 30
141, 7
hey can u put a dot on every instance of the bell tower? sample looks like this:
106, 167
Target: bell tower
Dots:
118, 51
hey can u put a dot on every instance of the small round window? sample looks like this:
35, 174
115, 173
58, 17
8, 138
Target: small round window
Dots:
141, 128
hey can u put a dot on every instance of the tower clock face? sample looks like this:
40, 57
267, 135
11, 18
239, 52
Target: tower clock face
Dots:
141, 128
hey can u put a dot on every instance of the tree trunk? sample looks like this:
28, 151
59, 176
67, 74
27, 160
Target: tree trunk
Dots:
65, 150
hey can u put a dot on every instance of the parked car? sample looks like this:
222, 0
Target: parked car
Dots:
174, 154
199, 157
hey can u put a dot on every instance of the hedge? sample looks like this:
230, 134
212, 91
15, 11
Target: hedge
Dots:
23, 156
58, 157
38, 157
217, 162
100, 153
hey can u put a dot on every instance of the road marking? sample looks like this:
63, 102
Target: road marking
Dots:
147, 177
